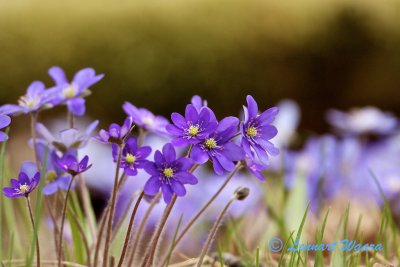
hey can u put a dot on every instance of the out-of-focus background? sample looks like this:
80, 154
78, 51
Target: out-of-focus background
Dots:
157, 54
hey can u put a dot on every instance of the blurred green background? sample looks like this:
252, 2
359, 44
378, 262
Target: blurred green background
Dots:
157, 54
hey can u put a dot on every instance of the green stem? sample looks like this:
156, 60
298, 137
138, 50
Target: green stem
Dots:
28, 203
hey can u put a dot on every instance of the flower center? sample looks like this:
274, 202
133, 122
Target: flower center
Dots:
26, 102
211, 143
69, 92
130, 159
148, 121
51, 176
23, 188
168, 172
193, 130
251, 131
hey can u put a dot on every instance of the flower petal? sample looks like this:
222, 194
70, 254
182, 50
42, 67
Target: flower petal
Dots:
58, 75
3, 137
178, 120
4, 121
50, 188
169, 152
233, 152
198, 155
35, 89
152, 186
178, 188
76, 106
186, 178
167, 193
252, 107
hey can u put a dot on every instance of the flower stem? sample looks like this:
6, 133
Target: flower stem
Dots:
213, 232
60, 243
149, 255
102, 224
34, 138
112, 207
203, 209
71, 119
128, 234
28, 203
142, 224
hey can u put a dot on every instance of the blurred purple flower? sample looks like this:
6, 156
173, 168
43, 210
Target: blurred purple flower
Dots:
192, 128
28, 180
219, 148
257, 131
67, 139
55, 178
4, 122
70, 164
363, 120
73, 92
133, 158
116, 134
255, 168
146, 119
168, 173
36, 97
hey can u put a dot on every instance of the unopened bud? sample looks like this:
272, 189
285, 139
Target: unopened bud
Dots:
241, 193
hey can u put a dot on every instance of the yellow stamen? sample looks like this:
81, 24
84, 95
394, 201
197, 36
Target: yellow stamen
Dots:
51, 176
23, 188
69, 92
251, 132
168, 172
130, 159
211, 143
193, 130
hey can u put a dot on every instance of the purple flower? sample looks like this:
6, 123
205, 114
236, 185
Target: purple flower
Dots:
70, 164
192, 128
56, 178
219, 148
116, 134
363, 120
257, 131
198, 102
73, 92
255, 168
168, 173
133, 158
146, 119
4, 122
28, 180
36, 97
67, 139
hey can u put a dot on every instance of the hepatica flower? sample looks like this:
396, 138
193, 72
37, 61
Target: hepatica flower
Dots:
194, 127
219, 148
28, 180
4, 122
67, 139
36, 97
168, 173
70, 164
116, 134
133, 158
146, 119
257, 131
73, 92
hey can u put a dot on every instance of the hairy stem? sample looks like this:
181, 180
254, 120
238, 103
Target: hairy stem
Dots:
34, 138
138, 234
102, 224
112, 207
128, 234
71, 119
149, 255
60, 243
203, 209
213, 232
28, 203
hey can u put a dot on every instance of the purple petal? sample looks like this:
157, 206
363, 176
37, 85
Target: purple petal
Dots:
104, 135
58, 75
29, 168
178, 120
35, 181
184, 163
179, 141
172, 129
151, 168
268, 131
63, 182
167, 193
169, 152
246, 146
35, 89
144, 152
77, 106
69, 136
191, 113
178, 188
23, 178
131, 144
225, 163
130, 170
11, 193
84, 162
268, 116
126, 127
152, 186
91, 127
50, 188
4, 121
3, 137
132, 111
217, 167
269, 147
252, 106
10, 109
262, 154
227, 123
233, 152
14, 183
186, 178
159, 158
198, 155
43, 131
